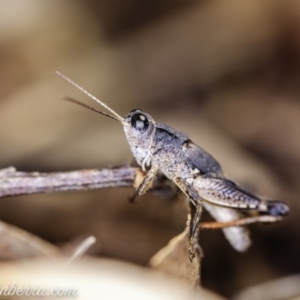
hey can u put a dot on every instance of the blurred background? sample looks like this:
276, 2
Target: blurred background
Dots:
225, 72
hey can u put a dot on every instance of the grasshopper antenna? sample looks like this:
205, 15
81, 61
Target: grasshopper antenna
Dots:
116, 116
72, 100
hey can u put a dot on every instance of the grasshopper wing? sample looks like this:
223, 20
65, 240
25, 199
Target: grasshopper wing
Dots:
202, 160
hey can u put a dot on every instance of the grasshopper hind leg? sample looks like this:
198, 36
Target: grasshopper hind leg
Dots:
193, 227
196, 212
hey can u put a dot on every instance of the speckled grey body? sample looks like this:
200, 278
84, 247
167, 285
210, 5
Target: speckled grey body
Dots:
158, 147
174, 154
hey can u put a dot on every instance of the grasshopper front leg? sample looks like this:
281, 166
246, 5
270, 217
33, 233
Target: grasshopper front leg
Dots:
145, 185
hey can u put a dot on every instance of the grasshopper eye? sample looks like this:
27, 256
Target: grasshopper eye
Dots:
139, 122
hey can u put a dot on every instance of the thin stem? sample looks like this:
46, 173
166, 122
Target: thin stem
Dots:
15, 183
239, 222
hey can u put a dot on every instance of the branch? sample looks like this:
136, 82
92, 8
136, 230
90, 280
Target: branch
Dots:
15, 183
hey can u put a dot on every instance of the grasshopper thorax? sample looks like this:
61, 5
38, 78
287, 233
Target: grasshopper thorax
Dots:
139, 132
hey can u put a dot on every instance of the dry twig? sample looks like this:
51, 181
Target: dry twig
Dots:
15, 183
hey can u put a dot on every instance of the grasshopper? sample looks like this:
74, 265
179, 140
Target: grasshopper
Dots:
160, 148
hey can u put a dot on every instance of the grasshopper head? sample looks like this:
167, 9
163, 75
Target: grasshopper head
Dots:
139, 128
